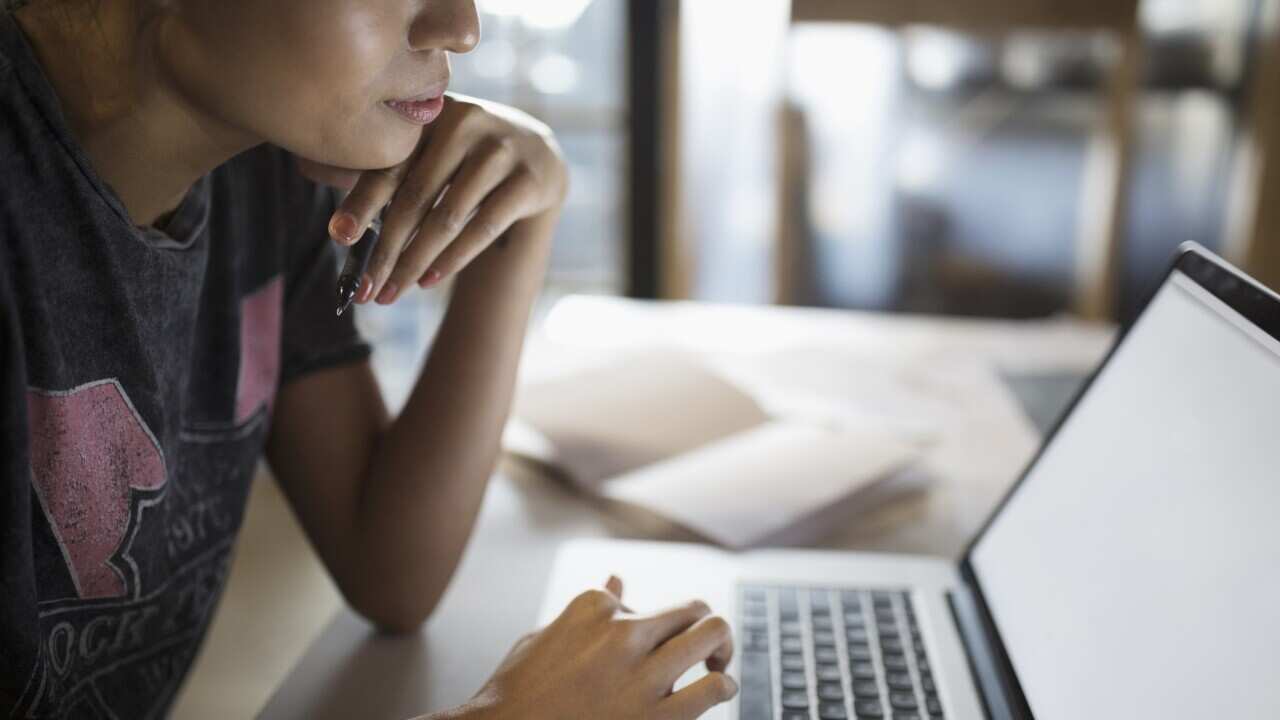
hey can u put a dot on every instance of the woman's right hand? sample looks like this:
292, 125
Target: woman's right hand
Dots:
598, 661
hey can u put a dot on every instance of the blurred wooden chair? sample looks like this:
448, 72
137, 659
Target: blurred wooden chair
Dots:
1252, 234
1102, 199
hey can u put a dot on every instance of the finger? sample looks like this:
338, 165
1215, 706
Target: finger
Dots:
710, 639
417, 195
699, 697
614, 586
658, 629
371, 193
507, 205
484, 170
592, 605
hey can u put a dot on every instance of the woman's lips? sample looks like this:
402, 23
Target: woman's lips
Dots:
419, 112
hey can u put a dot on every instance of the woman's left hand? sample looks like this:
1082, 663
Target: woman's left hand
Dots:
495, 167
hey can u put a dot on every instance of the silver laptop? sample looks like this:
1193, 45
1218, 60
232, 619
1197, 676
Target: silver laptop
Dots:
1133, 571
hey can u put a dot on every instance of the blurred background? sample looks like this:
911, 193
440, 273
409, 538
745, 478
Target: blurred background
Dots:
952, 157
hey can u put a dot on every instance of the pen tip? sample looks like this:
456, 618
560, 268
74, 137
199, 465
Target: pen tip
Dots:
339, 312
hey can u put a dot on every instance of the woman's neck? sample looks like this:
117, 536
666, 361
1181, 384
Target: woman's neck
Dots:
104, 59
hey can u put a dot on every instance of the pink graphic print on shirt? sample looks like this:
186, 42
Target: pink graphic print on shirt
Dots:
89, 448
260, 314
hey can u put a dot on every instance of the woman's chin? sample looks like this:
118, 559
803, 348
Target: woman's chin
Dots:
331, 175
345, 172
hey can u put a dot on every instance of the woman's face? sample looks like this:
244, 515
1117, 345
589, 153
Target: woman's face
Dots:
315, 76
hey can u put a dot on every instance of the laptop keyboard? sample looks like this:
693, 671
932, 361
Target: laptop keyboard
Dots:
832, 654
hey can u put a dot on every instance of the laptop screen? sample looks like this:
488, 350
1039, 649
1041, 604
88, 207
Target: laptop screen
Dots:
1135, 571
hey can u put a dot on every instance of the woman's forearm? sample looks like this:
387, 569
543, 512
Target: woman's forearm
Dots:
431, 467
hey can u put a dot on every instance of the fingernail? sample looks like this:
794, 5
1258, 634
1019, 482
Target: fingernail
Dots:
388, 293
431, 278
343, 226
366, 288
734, 684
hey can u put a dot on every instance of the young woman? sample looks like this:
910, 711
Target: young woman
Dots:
169, 216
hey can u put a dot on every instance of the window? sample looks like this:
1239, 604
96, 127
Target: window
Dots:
563, 61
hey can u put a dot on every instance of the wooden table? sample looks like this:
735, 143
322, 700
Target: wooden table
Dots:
283, 645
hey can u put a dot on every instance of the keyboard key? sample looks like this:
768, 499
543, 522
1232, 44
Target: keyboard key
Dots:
830, 691
927, 684
822, 623
859, 652
795, 715
851, 599
886, 630
862, 670
868, 709
792, 644
895, 662
824, 638
856, 635
903, 701
756, 701
826, 655
906, 715
755, 623
755, 609
854, 620
932, 705
753, 594
791, 627
819, 599
899, 681
793, 700
794, 681
832, 711
881, 598
828, 673
865, 689
756, 641
793, 661
891, 645
755, 668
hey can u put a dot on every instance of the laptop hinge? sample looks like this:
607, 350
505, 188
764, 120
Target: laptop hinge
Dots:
982, 662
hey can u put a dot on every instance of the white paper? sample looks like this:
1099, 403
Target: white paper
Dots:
758, 482
639, 409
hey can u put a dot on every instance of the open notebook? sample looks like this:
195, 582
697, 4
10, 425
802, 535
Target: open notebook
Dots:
662, 432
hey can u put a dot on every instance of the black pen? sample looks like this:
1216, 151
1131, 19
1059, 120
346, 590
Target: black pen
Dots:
357, 263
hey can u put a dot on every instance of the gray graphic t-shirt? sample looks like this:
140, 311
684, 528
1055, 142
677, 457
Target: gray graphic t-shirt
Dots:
138, 371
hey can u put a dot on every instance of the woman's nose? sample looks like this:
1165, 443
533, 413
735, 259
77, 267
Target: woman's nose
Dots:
452, 25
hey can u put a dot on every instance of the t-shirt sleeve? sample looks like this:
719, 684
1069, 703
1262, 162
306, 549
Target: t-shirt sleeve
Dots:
315, 338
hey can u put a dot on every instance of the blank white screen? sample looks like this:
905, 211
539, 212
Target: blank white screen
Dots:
1135, 573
